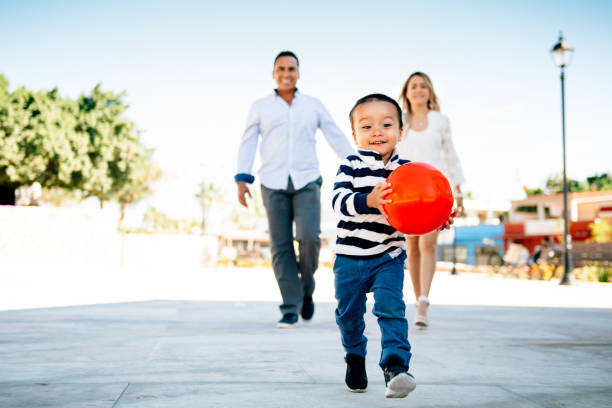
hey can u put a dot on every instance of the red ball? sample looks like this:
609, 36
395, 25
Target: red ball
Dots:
422, 198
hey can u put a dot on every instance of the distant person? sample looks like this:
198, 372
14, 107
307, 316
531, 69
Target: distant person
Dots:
427, 138
516, 254
28, 195
285, 123
370, 253
547, 244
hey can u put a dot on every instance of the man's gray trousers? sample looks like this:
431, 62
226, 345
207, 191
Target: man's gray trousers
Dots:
295, 275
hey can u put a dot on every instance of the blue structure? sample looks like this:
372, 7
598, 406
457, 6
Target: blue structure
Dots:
471, 240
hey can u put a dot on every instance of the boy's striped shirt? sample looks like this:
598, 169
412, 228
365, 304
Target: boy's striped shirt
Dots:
364, 231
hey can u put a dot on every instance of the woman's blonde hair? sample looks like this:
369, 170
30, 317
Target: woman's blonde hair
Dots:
432, 103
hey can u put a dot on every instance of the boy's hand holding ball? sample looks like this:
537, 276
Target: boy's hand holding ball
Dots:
375, 198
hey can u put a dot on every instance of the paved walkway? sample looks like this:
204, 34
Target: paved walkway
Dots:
214, 353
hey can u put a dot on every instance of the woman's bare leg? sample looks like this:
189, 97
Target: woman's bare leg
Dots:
414, 264
428, 250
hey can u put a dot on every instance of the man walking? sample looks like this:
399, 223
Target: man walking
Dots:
287, 121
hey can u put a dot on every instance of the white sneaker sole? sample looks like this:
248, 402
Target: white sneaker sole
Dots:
286, 325
357, 391
400, 386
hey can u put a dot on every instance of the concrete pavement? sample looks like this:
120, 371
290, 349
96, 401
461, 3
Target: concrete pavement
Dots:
214, 353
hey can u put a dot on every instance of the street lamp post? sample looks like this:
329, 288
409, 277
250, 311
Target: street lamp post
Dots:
454, 270
562, 55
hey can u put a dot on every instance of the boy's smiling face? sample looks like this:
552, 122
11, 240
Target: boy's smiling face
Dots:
376, 127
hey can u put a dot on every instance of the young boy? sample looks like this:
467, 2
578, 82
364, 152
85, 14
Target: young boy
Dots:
371, 253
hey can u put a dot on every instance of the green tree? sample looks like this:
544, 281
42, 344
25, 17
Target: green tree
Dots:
156, 221
38, 141
533, 191
119, 167
135, 181
207, 194
4, 88
600, 182
86, 146
554, 184
111, 143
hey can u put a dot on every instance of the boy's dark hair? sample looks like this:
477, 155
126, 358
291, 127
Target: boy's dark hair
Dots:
287, 53
381, 98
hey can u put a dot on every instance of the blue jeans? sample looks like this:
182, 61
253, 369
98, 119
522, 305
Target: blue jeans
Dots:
384, 276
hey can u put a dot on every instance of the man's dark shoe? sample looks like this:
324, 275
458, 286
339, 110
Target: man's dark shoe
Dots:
307, 308
288, 321
356, 378
398, 380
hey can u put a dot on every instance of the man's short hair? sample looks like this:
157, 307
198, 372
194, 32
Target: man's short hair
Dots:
287, 53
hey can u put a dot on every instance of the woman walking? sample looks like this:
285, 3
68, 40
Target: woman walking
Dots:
427, 138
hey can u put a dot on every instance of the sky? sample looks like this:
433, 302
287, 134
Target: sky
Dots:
191, 70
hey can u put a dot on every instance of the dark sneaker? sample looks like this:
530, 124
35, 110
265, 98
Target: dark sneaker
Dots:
398, 380
356, 378
307, 308
288, 321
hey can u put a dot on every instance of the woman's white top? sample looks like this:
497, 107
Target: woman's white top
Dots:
433, 146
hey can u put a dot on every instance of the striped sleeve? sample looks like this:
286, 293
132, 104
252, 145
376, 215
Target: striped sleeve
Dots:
347, 202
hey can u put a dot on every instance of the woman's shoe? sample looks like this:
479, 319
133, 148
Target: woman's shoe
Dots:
420, 320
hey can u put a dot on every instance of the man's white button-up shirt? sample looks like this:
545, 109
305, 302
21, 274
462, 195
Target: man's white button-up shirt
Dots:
288, 143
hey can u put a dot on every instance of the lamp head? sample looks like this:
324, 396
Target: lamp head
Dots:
562, 52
